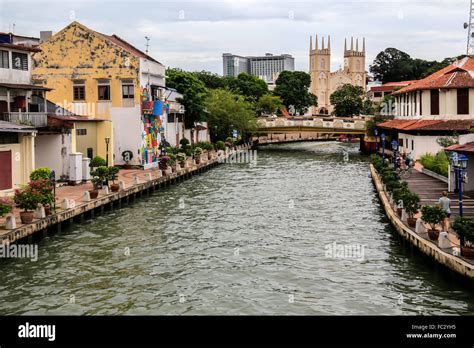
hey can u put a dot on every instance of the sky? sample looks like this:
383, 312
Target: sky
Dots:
192, 34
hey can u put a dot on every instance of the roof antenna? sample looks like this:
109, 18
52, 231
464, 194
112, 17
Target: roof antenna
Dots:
147, 44
470, 27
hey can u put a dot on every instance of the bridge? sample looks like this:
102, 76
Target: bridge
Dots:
313, 124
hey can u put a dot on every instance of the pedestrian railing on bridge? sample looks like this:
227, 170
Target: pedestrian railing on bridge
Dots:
356, 125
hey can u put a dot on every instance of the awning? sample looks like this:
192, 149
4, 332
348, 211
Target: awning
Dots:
427, 125
465, 148
15, 128
24, 86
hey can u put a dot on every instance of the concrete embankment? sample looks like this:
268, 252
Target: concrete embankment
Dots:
429, 248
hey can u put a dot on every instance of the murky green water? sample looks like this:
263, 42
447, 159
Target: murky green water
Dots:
239, 239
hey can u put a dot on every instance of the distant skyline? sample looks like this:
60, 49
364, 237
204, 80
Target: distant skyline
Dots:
192, 34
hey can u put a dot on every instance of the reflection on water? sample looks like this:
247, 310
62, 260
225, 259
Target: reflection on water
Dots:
239, 239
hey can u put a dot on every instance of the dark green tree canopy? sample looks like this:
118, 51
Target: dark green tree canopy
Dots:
210, 80
293, 89
348, 101
395, 65
194, 93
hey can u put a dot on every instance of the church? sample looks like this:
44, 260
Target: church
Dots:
324, 82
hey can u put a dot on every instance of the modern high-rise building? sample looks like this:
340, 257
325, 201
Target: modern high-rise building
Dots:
267, 67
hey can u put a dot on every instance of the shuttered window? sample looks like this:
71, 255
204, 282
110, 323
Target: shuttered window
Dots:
4, 60
434, 102
463, 101
19, 61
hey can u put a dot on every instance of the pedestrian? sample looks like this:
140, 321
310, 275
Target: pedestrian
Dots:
444, 202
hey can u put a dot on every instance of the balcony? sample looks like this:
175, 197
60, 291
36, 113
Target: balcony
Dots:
34, 119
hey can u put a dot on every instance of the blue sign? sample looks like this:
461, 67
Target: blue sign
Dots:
234, 134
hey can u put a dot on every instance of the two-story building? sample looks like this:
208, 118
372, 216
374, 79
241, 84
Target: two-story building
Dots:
437, 106
118, 88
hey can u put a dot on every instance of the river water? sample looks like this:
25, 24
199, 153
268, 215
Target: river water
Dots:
299, 232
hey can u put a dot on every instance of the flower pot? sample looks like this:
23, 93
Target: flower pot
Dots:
182, 164
115, 187
94, 194
198, 161
411, 222
433, 234
209, 156
127, 166
399, 211
47, 209
26, 217
468, 252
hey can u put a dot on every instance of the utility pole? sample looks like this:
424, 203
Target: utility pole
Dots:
147, 43
470, 27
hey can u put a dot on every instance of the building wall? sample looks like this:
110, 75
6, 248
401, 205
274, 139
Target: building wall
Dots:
52, 150
127, 129
11, 75
422, 144
89, 140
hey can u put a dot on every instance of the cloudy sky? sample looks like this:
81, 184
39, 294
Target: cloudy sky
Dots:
193, 34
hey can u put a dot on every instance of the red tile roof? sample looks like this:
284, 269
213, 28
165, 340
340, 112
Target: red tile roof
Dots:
466, 148
428, 125
19, 47
460, 74
391, 86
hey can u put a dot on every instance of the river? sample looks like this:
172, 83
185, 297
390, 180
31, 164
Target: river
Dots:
261, 238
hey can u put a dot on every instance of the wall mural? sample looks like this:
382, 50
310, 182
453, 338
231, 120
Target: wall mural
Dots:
153, 117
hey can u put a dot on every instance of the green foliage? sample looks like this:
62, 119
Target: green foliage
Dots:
44, 189
394, 65
204, 145
197, 151
220, 145
226, 112
348, 100
97, 161
433, 215
210, 80
27, 199
181, 157
268, 104
40, 173
464, 227
184, 143
194, 94
448, 140
438, 163
6, 206
249, 86
293, 89
400, 189
411, 203
112, 173
99, 175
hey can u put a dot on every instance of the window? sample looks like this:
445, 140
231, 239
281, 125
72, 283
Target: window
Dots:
90, 152
4, 60
406, 143
9, 138
19, 61
434, 102
421, 104
412, 144
103, 90
463, 101
79, 91
81, 131
128, 91
378, 95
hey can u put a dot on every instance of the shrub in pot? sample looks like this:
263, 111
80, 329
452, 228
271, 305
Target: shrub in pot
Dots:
40, 173
181, 158
197, 154
220, 145
112, 175
433, 215
465, 227
44, 188
6, 206
28, 200
163, 162
97, 161
398, 195
411, 204
184, 143
99, 175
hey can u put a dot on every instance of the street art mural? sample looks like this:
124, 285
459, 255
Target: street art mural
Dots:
153, 117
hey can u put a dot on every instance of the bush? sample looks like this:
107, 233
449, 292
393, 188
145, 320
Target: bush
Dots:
44, 188
433, 215
220, 145
438, 163
99, 175
464, 227
184, 143
40, 173
181, 157
97, 161
112, 173
197, 151
27, 199
5, 206
411, 203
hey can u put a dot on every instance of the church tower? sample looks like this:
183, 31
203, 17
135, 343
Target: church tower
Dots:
320, 67
354, 63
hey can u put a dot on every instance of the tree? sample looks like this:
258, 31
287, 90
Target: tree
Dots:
268, 104
348, 100
251, 87
293, 89
210, 80
227, 111
194, 93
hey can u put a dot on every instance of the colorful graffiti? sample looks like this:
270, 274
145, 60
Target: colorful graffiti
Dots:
153, 118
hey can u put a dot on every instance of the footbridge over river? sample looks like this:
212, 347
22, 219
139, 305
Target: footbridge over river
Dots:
313, 124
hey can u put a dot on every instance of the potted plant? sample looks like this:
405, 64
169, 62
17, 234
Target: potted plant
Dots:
411, 204
127, 156
44, 187
184, 143
5, 206
96, 162
220, 145
181, 158
433, 215
163, 162
112, 175
465, 227
28, 200
40, 173
99, 175
197, 154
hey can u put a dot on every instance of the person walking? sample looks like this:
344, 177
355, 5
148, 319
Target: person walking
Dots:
444, 202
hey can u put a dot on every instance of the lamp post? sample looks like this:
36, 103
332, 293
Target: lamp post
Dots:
52, 178
459, 164
382, 136
394, 144
376, 132
107, 141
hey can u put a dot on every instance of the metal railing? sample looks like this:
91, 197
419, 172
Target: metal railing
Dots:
34, 119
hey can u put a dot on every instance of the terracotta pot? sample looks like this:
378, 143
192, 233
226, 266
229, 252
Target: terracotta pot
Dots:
399, 211
47, 209
182, 164
115, 187
468, 252
94, 194
26, 217
433, 234
127, 166
198, 161
209, 156
411, 222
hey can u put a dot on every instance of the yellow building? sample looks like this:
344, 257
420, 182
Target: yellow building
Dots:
101, 78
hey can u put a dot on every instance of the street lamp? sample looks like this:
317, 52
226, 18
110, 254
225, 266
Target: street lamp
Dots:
459, 164
376, 132
107, 141
382, 136
394, 144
